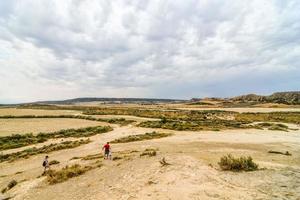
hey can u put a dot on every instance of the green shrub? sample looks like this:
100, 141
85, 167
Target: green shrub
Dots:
237, 164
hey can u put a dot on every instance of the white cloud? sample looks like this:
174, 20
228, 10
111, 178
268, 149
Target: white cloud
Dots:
177, 49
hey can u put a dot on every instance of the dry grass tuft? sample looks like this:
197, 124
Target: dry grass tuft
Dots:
10, 185
66, 173
237, 164
149, 152
54, 162
146, 136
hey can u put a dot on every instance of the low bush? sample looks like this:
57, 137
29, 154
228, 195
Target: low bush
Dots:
150, 153
54, 162
66, 173
237, 164
272, 126
146, 136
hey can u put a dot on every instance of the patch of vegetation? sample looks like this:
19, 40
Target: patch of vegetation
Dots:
149, 152
66, 173
160, 114
121, 121
92, 157
287, 117
10, 185
45, 149
207, 125
237, 164
191, 119
282, 153
54, 162
273, 126
146, 136
202, 103
17, 140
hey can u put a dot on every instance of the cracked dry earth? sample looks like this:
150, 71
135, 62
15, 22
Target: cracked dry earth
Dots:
193, 172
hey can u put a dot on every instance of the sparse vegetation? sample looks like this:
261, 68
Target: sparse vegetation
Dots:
45, 149
16, 141
282, 153
10, 185
211, 125
184, 115
287, 117
242, 163
66, 173
146, 136
54, 162
88, 157
121, 121
117, 158
273, 126
149, 152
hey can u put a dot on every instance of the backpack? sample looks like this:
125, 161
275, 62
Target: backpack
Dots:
44, 163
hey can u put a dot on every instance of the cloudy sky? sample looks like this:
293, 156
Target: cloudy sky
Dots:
54, 49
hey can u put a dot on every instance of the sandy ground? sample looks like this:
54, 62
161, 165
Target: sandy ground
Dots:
21, 126
193, 173
18, 112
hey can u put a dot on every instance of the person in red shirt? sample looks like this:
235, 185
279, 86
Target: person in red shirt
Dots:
106, 148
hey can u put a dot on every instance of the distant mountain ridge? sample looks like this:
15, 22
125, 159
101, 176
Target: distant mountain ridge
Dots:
292, 97
111, 100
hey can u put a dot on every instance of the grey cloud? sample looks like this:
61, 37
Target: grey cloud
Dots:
159, 48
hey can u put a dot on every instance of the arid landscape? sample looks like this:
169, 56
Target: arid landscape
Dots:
150, 100
159, 151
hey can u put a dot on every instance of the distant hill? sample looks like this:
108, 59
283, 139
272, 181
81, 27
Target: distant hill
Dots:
289, 98
112, 100
278, 97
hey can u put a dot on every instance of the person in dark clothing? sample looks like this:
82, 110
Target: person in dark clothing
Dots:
46, 164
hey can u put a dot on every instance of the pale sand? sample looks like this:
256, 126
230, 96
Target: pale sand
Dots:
193, 173
37, 125
18, 112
